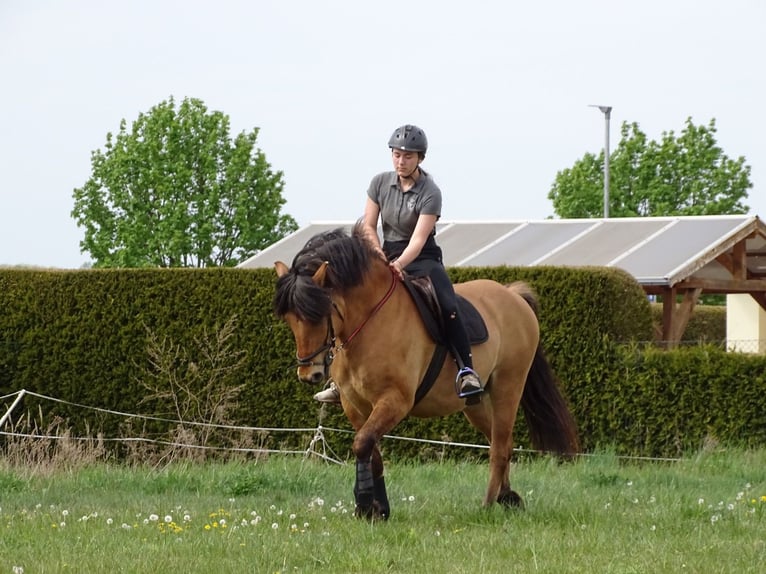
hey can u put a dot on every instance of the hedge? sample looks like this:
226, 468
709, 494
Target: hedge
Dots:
86, 337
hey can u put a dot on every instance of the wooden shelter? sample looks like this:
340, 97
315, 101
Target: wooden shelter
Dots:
679, 258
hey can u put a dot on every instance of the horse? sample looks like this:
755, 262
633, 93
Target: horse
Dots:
353, 319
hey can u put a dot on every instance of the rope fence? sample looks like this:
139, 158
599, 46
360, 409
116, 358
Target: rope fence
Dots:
318, 445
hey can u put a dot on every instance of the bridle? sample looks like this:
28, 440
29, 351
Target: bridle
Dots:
330, 346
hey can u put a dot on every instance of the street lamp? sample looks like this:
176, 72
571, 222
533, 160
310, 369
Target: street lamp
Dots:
607, 111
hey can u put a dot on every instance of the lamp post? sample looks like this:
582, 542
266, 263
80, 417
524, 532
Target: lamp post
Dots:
607, 111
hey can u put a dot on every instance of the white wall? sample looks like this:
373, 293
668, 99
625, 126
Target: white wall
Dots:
745, 325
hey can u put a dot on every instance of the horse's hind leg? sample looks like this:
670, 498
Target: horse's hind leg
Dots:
496, 419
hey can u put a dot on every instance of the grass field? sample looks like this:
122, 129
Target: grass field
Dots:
599, 514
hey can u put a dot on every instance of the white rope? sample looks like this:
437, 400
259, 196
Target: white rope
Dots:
318, 436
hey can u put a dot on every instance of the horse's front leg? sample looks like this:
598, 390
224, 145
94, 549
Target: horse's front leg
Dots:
370, 486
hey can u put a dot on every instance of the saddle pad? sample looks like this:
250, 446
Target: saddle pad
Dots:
425, 300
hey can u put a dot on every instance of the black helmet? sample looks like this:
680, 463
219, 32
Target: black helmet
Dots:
409, 138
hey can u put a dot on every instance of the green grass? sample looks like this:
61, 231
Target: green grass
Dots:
702, 514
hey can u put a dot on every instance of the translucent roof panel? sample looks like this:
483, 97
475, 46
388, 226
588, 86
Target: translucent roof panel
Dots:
654, 250
605, 242
461, 240
285, 249
528, 243
665, 254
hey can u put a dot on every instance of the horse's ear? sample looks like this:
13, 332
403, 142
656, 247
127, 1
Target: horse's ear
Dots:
281, 268
321, 273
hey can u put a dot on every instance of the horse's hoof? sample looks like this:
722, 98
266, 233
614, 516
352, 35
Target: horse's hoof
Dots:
371, 513
510, 499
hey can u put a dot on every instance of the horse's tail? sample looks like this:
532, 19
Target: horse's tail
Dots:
551, 424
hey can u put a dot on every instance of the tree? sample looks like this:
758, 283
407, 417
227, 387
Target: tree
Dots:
684, 175
176, 191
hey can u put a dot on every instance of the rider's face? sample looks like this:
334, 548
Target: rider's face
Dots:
405, 162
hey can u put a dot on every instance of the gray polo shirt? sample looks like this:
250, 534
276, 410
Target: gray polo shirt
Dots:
399, 211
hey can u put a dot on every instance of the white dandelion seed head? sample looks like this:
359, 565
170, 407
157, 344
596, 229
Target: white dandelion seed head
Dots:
154, 517
109, 521
274, 525
64, 513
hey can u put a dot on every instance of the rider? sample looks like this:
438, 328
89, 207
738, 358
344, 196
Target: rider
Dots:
408, 203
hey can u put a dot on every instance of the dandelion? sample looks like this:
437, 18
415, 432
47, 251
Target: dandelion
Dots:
411, 498
274, 525
187, 518
730, 506
437, 533
740, 495
18, 570
154, 517
292, 517
701, 501
64, 513
630, 483
305, 525
109, 521
714, 518
763, 498
653, 528
168, 519
125, 526
62, 524
652, 499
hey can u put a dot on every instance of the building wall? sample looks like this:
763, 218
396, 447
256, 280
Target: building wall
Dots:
745, 325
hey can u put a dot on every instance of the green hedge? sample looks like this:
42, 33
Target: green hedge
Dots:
83, 337
707, 324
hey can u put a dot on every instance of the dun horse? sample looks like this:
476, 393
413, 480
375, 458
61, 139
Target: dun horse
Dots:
353, 319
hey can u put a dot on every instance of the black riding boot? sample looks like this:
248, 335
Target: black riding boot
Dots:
467, 383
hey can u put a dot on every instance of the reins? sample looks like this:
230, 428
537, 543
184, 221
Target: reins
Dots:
307, 361
375, 309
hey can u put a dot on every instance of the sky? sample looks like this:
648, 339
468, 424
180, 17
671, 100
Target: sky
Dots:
502, 90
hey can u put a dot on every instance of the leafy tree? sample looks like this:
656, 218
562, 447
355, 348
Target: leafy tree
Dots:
176, 191
679, 175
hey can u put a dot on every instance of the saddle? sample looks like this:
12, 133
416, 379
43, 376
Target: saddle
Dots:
423, 293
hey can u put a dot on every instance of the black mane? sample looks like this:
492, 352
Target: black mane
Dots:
348, 258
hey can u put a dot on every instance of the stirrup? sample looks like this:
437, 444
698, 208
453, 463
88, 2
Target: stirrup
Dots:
329, 394
473, 389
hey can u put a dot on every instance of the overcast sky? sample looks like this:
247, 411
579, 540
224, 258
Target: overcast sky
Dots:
501, 88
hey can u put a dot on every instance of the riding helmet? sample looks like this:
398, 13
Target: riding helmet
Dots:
409, 138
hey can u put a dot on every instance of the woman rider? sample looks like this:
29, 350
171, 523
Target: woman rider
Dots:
408, 203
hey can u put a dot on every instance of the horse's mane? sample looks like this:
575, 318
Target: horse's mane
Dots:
348, 258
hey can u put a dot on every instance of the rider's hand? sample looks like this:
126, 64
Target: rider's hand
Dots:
397, 269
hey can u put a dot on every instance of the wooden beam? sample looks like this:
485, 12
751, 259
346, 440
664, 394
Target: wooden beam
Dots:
739, 260
668, 307
760, 298
682, 314
723, 286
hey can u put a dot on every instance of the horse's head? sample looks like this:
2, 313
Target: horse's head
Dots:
328, 264
304, 305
